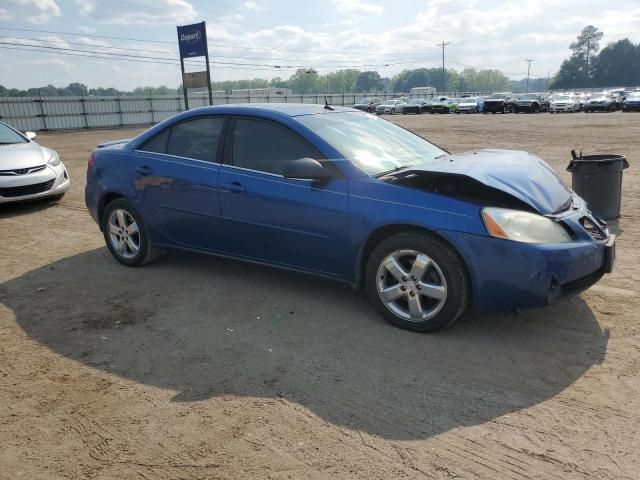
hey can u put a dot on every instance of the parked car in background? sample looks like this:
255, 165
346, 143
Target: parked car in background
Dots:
583, 98
367, 104
390, 107
619, 96
417, 106
564, 103
27, 170
632, 102
601, 102
470, 105
443, 105
498, 103
348, 196
530, 102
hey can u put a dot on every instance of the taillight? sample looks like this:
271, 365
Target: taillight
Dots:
90, 162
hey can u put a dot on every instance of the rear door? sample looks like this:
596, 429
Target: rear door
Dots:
296, 223
176, 177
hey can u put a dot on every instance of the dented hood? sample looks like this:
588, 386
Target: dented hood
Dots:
520, 174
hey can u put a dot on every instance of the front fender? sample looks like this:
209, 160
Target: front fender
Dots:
375, 206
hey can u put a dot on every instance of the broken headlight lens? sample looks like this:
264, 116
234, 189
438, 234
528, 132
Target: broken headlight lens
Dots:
522, 226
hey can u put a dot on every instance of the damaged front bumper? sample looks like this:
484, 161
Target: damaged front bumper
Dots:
507, 274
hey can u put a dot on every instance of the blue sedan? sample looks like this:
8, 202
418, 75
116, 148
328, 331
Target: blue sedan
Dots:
340, 193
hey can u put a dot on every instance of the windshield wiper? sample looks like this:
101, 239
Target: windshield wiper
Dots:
393, 170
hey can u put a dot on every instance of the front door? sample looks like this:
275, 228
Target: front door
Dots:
295, 223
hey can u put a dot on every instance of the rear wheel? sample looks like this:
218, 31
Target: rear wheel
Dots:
126, 235
417, 282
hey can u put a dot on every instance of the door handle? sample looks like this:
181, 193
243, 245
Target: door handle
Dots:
234, 187
144, 170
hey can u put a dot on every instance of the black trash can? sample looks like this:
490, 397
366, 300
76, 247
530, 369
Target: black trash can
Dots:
598, 179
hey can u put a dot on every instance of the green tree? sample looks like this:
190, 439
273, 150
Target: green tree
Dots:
369, 81
586, 47
618, 64
305, 81
473, 80
578, 69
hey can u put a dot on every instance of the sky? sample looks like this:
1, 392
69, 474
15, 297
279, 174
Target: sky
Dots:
269, 38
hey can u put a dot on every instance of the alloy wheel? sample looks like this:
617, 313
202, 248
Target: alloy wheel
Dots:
124, 234
411, 285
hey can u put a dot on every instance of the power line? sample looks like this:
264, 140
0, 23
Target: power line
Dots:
320, 52
217, 62
67, 42
96, 57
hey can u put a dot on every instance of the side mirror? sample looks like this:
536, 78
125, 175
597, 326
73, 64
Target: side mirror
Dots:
30, 135
306, 169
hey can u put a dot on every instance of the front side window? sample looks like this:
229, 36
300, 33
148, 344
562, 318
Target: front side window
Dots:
267, 146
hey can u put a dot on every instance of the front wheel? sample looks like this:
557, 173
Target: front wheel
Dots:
126, 235
417, 282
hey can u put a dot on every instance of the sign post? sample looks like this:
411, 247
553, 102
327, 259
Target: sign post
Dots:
192, 41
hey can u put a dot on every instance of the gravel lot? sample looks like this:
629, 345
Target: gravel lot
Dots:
196, 367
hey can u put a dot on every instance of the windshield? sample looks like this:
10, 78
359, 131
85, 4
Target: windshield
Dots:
468, 100
373, 144
634, 95
528, 97
562, 98
8, 136
498, 95
416, 101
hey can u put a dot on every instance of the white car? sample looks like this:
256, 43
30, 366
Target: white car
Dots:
564, 103
390, 106
27, 170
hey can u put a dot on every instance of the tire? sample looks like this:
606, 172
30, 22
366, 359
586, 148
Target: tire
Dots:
121, 211
445, 277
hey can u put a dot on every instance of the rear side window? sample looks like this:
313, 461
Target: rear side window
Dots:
157, 144
267, 147
196, 139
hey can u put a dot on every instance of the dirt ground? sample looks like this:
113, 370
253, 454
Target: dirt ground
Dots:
196, 367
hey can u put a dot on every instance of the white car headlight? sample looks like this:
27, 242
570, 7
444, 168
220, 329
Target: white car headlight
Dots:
54, 158
521, 226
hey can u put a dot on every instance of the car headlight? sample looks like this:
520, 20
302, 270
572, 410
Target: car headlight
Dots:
54, 158
521, 226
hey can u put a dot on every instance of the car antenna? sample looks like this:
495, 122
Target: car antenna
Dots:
326, 104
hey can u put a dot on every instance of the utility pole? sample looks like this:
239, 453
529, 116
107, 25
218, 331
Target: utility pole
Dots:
586, 72
443, 44
548, 78
528, 60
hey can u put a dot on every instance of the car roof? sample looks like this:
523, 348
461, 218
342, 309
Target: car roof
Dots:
289, 109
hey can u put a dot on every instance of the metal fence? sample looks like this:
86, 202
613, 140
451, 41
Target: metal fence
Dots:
68, 113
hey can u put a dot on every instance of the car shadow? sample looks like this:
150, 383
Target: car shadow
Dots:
205, 327
26, 207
